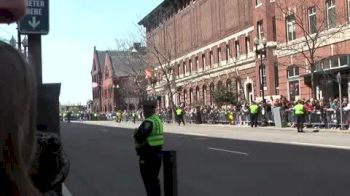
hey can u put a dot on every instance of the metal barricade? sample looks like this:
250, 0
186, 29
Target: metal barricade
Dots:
315, 119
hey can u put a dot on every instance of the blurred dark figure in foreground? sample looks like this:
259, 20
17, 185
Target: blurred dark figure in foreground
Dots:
17, 125
51, 165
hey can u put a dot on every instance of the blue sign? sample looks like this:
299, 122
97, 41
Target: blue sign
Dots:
36, 20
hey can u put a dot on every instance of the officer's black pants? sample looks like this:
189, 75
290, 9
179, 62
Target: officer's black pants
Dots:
180, 119
300, 122
253, 120
149, 167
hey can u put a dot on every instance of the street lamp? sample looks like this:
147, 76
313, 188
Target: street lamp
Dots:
260, 51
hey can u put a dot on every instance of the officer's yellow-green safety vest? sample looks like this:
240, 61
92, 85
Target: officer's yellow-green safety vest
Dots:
299, 109
156, 137
178, 111
254, 109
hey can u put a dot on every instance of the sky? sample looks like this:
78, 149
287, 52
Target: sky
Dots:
75, 28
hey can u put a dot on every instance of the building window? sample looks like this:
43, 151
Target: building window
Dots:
228, 55
178, 70
293, 90
203, 61
238, 49
290, 25
293, 71
229, 85
260, 29
274, 32
210, 58
247, 45
333, 62
331, 14
191, 66
191, 95
219, 56
204, 93
312, 20
197, 95
257, 2
184, 68
197, 63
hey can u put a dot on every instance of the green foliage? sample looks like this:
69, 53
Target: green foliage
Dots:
224, 96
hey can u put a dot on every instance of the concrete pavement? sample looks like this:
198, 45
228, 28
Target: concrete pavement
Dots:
325, 138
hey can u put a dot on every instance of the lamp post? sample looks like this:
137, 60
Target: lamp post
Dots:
115, 87
260, 51
340, 101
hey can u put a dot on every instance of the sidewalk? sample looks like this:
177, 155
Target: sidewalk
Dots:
326, 138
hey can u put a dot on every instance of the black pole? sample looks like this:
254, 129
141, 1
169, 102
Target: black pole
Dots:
262, 79
170, 173
34, 50
18, 39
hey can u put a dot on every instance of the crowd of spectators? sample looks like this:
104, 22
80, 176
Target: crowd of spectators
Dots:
321, 113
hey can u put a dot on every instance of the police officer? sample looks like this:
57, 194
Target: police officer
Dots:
299, 112
254, 111
149, 140
180, 115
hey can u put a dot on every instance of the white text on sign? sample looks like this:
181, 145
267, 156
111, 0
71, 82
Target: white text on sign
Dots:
35, 3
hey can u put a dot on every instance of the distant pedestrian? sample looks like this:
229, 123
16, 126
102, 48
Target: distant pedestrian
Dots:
148, 143
69, 116
299, 112
180, 115
254, 111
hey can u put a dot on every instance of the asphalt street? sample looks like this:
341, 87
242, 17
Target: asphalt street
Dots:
104, 163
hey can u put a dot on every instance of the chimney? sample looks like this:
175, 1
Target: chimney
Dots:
137, 46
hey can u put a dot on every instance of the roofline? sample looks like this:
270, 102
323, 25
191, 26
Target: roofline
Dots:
148, 16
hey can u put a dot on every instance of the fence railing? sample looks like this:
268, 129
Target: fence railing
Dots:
317, 118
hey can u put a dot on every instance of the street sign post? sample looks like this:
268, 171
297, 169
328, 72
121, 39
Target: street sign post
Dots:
36, 20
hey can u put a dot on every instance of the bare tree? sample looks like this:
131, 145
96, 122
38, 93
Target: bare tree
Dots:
310, 25
133, 57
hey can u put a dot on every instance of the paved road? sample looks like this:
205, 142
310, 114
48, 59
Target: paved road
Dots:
104, 164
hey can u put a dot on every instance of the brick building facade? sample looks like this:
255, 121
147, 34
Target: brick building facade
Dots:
114, 74
211, 43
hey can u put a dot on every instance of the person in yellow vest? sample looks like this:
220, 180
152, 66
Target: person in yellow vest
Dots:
149, 140
299, 112
254, 111
230, 117
119, 116
180, 115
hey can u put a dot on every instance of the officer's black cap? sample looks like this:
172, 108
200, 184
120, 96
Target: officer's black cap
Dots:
150, 101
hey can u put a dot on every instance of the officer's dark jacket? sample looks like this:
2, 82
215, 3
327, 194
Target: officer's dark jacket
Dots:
141, 137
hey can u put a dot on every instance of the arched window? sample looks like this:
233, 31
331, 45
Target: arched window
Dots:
204, 93
211, 89
191, 95
185, 96
196, 99
220, 85
229, 85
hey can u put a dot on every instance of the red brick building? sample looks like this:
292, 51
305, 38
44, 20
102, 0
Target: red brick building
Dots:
113, 79
212, 43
